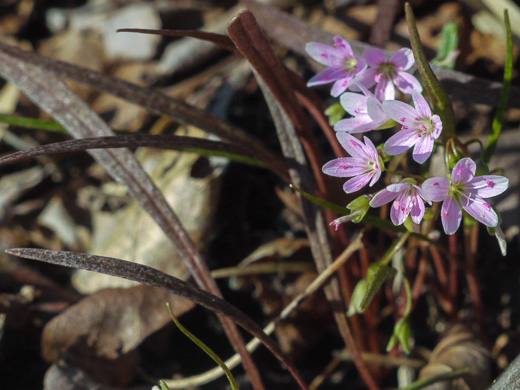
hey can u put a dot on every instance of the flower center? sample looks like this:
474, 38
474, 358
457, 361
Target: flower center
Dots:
426, 125
386, 71
351, 64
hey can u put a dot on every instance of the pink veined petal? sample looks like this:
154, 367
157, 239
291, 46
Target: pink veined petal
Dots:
437, 126
367, 78
400, 112
341, 85
436, 189
375, 57
352, 125
488, 186
375, 110
356, 183
327, 76
383, 197
451, 215
407, 83
423, 148
398, 187
353, 146
463, 171
403, 59
324, 54
418, 209
343, 46
421, 193
400, 208
401, 141
363, 89
353, 103
385, 89
363, 128
481, 210
376, 175
421, 105
370, 149
345, 167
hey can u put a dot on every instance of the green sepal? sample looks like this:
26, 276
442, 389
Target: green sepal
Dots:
410, 225
469, 221
335, 113
428, 214
402, 332
382, 154
376, 276
453, 154
361, 204
357, 297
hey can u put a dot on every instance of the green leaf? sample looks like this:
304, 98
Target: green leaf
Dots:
362, 205
163, 385
376, 276
498, 121
32, 123
335, 113
205, 348
447, 52
441, 102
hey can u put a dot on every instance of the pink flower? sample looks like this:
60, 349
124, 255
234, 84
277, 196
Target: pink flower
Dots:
420, 127
467, 191
342, 64
385, 73
363, 166
367, 112
409, 201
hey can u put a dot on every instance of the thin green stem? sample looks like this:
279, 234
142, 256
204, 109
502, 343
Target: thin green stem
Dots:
396, 246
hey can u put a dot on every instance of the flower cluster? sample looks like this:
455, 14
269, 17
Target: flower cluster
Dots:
419, 128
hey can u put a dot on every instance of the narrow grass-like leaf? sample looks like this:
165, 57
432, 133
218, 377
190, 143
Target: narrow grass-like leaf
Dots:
46, 90
162, 141
498, 121
155, 278
206, 349
32, 123
377, 275
220, 40
149, 98
448, 47
441, 102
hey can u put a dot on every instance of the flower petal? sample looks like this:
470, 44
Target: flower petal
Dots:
356, 183
436, 189
345, 167
367, 78
375, 57
401, 208
353, 103
451, 215
398, 187
401, 141
327, 76
437, 126
351, 125
343, 46
407, 83
488, 185
400, 112
383, 197
385, 89
363, 128
481, 210
421, 193
375, 110
423, 148
421, 105
418, 209
403, 59
341, 85
324, 54
463, 171
353, 146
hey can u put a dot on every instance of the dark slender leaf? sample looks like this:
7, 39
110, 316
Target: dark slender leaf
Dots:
162, 141
52, 95
220, 40
152, 277
498, 121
